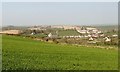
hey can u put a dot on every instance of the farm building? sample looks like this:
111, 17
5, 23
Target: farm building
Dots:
15, 32
50, 35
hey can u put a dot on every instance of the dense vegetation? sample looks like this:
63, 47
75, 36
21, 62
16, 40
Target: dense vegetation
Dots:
24, 53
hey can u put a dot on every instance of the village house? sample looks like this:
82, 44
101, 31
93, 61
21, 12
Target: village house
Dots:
107, 39
115, 35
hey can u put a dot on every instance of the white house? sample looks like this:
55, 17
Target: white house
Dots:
50, 35
107, 39
115, 35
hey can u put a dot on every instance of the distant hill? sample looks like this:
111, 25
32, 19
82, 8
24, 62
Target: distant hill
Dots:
14, 27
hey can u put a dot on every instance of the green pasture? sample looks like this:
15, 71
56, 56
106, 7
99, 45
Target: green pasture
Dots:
19, 53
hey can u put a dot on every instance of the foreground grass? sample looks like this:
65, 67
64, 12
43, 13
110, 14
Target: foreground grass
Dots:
20, 53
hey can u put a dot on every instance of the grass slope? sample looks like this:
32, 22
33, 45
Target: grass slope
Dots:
20, 53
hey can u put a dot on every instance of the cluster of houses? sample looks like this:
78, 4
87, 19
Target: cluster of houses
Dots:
106, 39
65, 27
89, 30
85, 32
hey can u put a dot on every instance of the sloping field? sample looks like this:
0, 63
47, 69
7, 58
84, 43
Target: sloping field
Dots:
22, 53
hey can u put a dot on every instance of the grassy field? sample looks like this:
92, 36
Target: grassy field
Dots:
107, 28
22, 53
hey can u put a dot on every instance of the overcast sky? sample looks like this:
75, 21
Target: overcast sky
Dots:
59, 13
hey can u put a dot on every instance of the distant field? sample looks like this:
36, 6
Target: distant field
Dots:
108, 27
21, 53
67, 32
